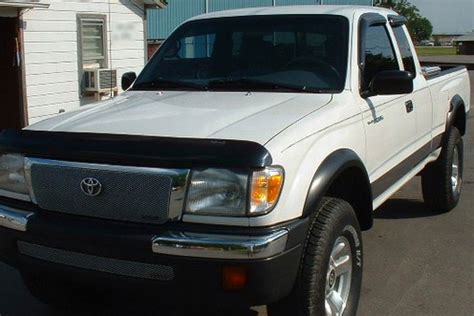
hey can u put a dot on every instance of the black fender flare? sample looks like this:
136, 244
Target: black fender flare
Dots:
329, 170
456, 106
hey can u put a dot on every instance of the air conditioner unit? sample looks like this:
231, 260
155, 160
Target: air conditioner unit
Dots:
100, 80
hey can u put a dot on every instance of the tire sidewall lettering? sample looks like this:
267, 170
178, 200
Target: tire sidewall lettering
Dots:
356, 242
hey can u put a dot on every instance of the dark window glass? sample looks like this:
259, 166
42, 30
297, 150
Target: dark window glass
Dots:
196, 46
307, 53
379, 53
405, 50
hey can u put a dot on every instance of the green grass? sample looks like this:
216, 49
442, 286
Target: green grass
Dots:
436, 51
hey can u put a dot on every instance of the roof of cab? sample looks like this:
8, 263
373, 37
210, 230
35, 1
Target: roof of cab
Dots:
343, 10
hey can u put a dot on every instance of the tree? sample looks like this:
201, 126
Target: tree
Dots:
419, 27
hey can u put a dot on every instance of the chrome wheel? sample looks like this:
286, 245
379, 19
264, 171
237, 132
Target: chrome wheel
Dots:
338, 279
455, 172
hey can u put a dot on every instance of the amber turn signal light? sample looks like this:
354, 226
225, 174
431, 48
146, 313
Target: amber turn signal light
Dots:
265, 189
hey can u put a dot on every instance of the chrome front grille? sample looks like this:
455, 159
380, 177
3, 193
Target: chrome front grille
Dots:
131, 194
90, 262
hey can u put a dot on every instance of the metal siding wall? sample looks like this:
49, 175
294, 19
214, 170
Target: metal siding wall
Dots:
296, 2
161, 22
349, 2
219, 5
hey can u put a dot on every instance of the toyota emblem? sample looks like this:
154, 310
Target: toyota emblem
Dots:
91, 187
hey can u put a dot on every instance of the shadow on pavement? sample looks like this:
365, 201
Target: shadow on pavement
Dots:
403, 208
96, 311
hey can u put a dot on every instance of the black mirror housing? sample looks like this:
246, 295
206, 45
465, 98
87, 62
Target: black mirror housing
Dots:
391, 82
127, 80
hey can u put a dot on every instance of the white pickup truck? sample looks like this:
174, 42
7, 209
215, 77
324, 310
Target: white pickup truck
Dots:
238, 168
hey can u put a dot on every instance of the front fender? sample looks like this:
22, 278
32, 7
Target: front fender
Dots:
330, 171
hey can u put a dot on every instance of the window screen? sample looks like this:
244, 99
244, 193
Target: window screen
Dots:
93, 43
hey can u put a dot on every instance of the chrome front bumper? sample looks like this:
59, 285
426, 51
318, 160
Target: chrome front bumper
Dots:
221, 246
186, 244
14, 219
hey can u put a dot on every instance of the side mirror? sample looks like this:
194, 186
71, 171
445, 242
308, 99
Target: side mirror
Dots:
127, 80
391, 82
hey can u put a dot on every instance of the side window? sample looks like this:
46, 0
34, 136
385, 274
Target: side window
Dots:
379, 53
405, 49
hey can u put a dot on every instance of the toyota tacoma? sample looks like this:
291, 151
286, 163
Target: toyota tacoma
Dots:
239, 167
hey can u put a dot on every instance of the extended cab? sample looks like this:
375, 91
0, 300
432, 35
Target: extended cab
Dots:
239, 167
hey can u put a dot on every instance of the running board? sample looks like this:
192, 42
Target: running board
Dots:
405, 179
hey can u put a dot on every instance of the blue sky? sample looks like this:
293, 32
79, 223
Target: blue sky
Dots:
448, 16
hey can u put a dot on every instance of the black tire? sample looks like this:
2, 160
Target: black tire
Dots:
439, 193
333, 220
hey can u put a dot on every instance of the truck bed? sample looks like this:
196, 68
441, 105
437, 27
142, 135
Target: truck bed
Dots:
431, 71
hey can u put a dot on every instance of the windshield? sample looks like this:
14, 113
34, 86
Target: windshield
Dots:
306, 53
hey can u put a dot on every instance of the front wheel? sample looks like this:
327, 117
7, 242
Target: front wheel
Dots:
330, 276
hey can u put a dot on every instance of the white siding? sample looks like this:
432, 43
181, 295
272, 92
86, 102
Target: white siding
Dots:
52, 57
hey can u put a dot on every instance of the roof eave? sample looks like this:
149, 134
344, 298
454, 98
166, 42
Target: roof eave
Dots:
24, 5
154, 3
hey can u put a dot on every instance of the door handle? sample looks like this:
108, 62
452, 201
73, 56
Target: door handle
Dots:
409, 106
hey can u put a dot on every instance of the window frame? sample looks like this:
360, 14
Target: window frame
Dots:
366, 21
81, 18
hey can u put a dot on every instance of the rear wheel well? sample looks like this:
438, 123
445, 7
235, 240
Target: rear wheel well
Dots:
460, 119
353, 186
457, 115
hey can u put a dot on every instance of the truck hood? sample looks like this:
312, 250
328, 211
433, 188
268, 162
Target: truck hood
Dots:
225, 115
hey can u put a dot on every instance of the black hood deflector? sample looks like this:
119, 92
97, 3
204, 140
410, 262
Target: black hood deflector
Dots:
140, 151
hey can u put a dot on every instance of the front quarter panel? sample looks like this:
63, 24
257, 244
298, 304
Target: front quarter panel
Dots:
302, 148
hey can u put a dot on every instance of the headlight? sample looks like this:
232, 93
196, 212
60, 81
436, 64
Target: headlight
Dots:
224, 192
12, 177
217, 192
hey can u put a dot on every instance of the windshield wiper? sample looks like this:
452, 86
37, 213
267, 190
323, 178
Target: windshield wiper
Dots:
166, 83
249, 83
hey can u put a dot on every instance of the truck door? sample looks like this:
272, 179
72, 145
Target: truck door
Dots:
389, 120
421, 98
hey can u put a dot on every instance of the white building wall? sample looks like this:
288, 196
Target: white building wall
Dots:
52, 57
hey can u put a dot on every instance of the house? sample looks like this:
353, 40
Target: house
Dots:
444, 39
52, 51
465, 44
161, 22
